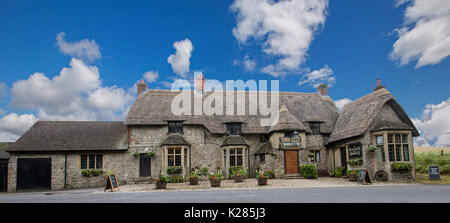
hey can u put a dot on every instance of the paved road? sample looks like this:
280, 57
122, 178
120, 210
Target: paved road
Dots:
409, 194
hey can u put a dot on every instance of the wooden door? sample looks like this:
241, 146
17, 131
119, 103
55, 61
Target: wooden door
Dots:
3, 175
144, 166
343, 157
291, 161
34, 173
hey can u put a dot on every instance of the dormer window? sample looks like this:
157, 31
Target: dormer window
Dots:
234, 128
315, 127
175, 126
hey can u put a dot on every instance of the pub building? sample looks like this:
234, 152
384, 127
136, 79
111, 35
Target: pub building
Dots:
56, 155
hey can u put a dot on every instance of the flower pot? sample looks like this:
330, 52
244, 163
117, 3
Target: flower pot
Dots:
238, 179
215, 183
353, 177
193, 181
161, 185
262, 181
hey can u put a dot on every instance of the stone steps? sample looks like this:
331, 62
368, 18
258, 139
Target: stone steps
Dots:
293, 176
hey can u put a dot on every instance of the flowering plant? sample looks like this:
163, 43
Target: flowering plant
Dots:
216, 176
262, 175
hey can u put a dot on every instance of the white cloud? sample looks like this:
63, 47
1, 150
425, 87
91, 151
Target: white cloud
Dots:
84, 49
75, 94
317, 77
434, 126
249, 64
180, 61
341, 102
151, 76
286, 27
425, 35
17, 124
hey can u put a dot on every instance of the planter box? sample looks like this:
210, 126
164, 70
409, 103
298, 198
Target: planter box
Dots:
215, 183
238, 179
193, 181
161, 185
262, 181
353, 177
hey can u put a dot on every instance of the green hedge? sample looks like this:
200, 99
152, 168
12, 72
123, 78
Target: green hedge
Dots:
309, 171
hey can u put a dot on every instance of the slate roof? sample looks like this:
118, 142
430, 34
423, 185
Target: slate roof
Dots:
356, 117
72, 136
3, 147
234, 140
175, 140
264, 149
154, 108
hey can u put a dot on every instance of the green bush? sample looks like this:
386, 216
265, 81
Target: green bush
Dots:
338, 172
445, 169
356, 171
204, 171
309, 171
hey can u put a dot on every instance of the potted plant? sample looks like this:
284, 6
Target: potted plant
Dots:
353, 175
270, 173
262, 177
136, 154
161, 181
372, 148
193, 178
273, 153
174, 170
150, 154
238, 174
215, 179
401, 167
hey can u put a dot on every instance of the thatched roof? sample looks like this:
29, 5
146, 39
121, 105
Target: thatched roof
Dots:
72, 136
234, 140
3, 147
264, 149
154, 108
286, 121
173, 140
357, 116
388, 125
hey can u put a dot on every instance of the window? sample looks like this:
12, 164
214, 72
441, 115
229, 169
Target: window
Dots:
380, 148
234, 128
264, 138
236, 157
315, 127
315, 156
262, 157
91, 161
175, 126
174, 157
398, 147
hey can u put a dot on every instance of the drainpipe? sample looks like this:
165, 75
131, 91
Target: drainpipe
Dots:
65, 170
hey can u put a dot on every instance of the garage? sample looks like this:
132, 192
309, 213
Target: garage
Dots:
34, 173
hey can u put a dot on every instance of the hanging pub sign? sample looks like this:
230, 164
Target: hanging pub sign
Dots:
111, 183
433, 173
354, 150
364, 177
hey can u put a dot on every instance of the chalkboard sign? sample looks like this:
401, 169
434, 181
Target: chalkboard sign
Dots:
364, 177
433, 173
111, 183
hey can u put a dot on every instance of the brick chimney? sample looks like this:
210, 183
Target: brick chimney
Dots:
141, 87
323, 90
379, 86
199, 83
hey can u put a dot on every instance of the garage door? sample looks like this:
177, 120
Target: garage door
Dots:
34, 174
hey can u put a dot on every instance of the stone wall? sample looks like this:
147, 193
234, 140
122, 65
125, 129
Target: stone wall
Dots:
112, 161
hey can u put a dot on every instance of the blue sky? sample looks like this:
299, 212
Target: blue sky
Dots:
351, 45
